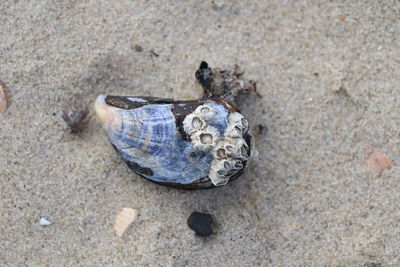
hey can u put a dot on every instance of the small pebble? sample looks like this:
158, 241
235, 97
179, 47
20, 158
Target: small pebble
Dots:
138, 48
3, 99
200, 223
74, 119
44, 222
342, 18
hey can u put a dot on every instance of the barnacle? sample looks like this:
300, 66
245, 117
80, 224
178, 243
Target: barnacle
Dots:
206, 111
237, 121
233, 131
236, 148
222, 169
193, 123
219, 151
205, 139
218, 172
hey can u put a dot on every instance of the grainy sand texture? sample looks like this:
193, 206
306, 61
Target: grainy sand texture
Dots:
329, 76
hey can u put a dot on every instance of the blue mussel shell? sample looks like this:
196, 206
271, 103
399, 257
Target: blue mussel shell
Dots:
166, 142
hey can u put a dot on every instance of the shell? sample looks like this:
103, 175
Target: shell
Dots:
3, 99
187, 144
123, 220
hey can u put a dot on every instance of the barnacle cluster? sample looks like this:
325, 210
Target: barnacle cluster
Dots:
196, 125
229, 151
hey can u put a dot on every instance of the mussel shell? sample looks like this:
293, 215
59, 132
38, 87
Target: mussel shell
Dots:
150, 126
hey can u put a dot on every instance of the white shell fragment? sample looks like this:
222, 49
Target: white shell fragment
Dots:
124, 220
44, 222
3, 100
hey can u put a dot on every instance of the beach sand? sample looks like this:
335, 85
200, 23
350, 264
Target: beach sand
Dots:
328, 73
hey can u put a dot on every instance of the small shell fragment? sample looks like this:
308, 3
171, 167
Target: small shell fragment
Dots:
377, 162
124, 220
44, 222
3, 99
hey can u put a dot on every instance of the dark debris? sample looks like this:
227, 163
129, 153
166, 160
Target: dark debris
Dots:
138, 48
227, 84
74, 119
154, 53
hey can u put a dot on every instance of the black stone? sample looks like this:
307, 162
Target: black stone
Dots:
200, 223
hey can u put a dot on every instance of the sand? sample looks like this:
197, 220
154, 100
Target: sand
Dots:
328, 73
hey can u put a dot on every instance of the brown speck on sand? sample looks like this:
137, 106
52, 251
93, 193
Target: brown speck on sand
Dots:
3, 99
377, 162
342, 18
259, 129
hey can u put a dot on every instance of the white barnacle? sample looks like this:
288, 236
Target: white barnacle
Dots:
218, 172
229, 147
236, 120
245, 125
205, 111
237, 165
219, 150
244, 150
222, 170
193, 123
241, 149
205, 139
235, 117
235, 148
216, 179
233, 131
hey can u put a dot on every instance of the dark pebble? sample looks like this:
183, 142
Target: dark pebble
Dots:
138, 48
200, 223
